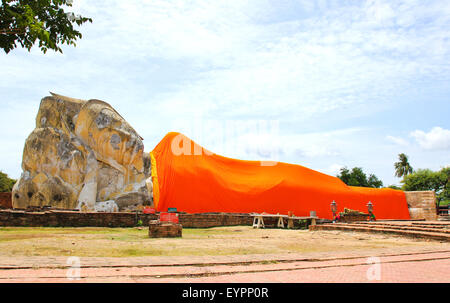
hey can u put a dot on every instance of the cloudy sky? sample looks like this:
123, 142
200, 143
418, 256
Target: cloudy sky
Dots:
328, 83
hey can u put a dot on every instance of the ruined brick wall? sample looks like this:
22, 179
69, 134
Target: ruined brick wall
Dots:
5, 200
60, 218
421, 204
65, 218
213, 220
72, 219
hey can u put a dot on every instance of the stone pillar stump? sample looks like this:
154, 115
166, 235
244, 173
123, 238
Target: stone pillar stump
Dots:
157, 229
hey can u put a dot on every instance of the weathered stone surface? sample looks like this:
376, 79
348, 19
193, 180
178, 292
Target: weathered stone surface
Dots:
421, 204
83, 155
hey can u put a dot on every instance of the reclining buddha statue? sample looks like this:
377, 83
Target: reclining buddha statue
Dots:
84, 155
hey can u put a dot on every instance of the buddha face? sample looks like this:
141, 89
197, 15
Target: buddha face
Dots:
115, 142
53, 191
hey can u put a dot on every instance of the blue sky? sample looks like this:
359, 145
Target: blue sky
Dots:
348, 83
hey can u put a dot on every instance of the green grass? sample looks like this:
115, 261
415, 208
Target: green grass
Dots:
444, 203
116, 242
134, 242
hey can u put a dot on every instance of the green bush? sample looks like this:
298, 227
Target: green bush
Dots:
6, 183
357, 177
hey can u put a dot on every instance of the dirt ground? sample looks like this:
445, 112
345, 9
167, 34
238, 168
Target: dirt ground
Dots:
237, 240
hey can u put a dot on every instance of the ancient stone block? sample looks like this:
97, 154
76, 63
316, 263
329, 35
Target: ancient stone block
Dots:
421, 204
157, 229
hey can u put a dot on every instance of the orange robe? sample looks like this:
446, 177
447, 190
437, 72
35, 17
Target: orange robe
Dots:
198, 182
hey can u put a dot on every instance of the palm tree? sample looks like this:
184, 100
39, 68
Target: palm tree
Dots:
402, 167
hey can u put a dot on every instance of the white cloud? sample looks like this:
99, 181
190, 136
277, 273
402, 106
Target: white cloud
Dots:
339, 59
333, 169
397, 140
265, 139
342, 57
436, 139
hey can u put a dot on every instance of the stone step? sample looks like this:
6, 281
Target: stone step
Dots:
407, 233
444, 218
438, 224
402, 227
436, 227
387, 223
432, 226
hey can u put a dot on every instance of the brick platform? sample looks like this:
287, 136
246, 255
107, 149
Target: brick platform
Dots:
431, 231
157, 229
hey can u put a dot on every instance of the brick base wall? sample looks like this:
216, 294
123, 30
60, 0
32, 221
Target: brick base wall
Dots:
421, 204
212, 220
72, 219
353, 218
60, 218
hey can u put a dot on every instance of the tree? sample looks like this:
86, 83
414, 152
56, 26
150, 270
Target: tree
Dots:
6, 183
357, 177
402, 167
26, 21
373, 181
393, 186
422, 179
444, 195
426, 179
